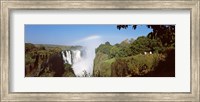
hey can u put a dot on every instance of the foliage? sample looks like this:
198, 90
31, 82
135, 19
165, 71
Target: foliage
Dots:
106, 68
144, 44
104, 48
45, 61
164, 33
68, 71
138, 65
166, 67
129, 57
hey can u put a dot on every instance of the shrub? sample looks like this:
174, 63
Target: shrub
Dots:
137, 65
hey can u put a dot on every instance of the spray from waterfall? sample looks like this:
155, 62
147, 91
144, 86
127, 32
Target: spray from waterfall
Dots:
82, 63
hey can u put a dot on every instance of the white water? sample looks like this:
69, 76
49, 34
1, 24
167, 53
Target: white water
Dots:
67, 57
85, 62
76, 56
71, 57
79, 63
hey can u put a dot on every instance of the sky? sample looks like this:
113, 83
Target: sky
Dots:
77, 34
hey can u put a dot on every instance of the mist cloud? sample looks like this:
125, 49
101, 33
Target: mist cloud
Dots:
86, 63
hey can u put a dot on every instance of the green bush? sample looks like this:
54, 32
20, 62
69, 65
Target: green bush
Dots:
137, 65
104, 48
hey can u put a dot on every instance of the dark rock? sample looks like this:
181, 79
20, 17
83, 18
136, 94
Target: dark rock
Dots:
56, 64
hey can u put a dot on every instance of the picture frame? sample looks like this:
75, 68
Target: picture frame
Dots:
7, 6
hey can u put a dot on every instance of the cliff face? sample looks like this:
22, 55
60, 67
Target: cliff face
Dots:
45, 62
102, 65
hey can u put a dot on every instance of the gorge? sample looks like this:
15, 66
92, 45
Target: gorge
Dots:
105, 60
55, 60
79, 61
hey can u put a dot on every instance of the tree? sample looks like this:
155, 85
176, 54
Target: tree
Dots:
131, 40
114, 52
142, 44
107, 43
164, 33
104, 48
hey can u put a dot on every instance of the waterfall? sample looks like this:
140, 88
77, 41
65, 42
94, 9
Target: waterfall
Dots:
79, 60
71, 57
76, 56
67, 57
64, 57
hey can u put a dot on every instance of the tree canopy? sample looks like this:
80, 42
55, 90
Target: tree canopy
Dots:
164, 33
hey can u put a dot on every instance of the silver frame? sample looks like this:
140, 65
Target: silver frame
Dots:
8, 5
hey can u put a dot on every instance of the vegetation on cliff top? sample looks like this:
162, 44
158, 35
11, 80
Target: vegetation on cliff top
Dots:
46, 61
151, 55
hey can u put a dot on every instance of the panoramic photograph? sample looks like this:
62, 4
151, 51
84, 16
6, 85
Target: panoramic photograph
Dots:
97, 50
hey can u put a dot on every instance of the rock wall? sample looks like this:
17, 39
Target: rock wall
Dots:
40, 62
